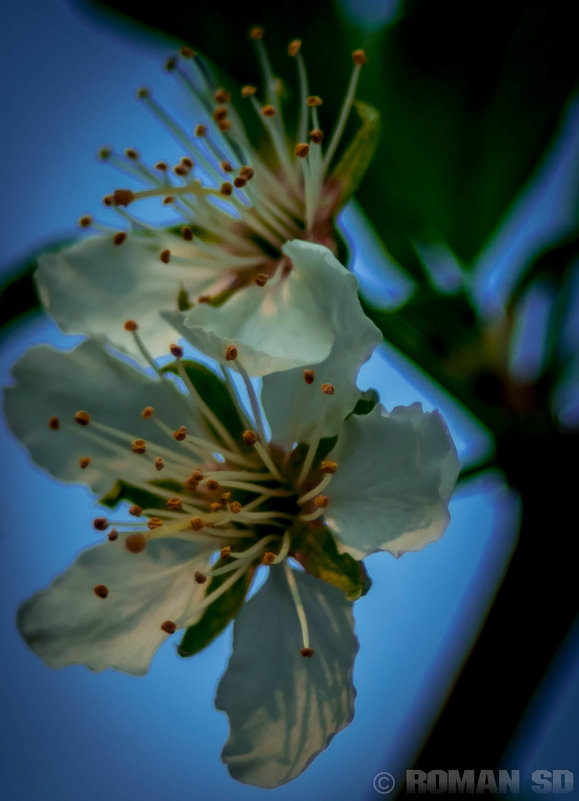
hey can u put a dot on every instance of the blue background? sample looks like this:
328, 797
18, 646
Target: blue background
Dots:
68, 88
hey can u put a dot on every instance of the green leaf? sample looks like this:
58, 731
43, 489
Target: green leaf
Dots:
316, 551
214, 392
218, 615
359, 153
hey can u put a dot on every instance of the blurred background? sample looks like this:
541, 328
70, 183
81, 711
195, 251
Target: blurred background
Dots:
464, 237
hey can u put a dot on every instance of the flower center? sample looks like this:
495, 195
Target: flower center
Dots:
241, 495
238, 202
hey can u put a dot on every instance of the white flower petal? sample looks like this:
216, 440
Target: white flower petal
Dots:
396, 473
288, 323
294, 408
69, 624
283, 708
93, 286
51, 382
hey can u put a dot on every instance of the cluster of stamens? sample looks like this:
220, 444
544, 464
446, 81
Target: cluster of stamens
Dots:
241, 495
236, 206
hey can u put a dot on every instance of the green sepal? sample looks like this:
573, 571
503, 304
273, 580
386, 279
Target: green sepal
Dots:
123, 491
218, 615
183, 302
356, 159
318, 554
214, 392
366, 403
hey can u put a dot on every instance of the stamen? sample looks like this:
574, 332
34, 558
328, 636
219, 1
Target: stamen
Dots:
139, 446
82, 418
133, 329
213, 596
307, 652
294, 47
247, 555
169, 626
321, 501
329, 467
205, 410
309, 376
294, 50
101, 590
256, 33
136, 543
359, 58
249, 437
311, 517
123, 197
84, 462
100, 523
113, 535
119, 238
180, 434
253, 400
54, 423
327, 389
308, 496
200, 577
284, 550
220, 113
135, 510
159, 463
178, 133
301, 612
